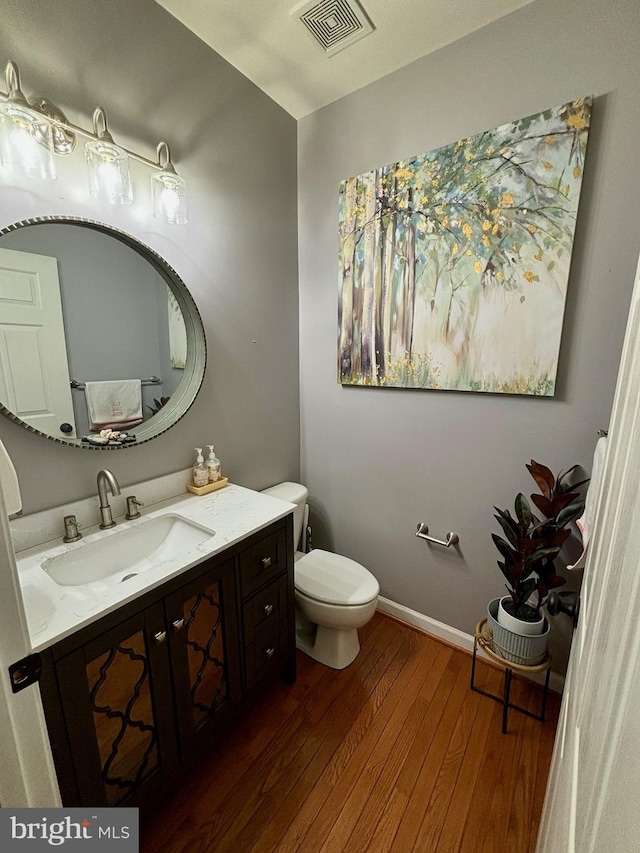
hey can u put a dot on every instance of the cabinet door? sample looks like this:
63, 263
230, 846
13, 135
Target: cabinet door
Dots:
202, 622
115, 692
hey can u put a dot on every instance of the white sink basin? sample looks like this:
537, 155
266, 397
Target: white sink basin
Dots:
127, 552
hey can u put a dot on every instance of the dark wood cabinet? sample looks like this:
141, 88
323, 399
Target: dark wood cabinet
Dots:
121, 740
134, 699
205, 661
268, 610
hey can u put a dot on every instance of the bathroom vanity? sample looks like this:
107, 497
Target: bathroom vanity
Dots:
153, 635
141, 687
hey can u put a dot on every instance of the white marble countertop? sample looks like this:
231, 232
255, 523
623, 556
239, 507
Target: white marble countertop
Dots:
54, 612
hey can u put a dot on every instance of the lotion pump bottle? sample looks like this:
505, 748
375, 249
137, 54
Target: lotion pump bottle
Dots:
200, 470
213, 466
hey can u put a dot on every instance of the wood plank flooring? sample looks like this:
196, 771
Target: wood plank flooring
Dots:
394, 753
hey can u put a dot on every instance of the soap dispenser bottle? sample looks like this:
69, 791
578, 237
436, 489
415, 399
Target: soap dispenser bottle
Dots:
213, 466
200, 470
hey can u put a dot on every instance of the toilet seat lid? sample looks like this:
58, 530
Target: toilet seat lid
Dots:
334, 579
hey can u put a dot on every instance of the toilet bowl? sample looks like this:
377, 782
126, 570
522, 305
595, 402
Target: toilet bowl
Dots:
335, 596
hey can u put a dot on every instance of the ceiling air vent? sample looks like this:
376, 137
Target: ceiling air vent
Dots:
335, 24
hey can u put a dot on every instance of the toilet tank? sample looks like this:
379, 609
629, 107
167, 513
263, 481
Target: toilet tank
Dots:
296, 494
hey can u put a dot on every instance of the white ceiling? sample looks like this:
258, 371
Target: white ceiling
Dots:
277, 52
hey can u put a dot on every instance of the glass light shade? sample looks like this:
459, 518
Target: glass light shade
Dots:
109, 173
169, 193
26, 141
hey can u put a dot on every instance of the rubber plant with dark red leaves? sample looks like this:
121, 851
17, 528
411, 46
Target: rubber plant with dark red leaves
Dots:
533, 542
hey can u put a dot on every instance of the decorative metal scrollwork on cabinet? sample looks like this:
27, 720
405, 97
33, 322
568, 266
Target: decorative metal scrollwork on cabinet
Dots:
120, 698
205, 649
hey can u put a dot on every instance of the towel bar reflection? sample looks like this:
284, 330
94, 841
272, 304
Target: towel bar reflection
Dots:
153, 380
423, 531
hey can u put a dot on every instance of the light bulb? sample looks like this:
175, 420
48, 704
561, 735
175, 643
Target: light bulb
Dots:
109, 178
169, 203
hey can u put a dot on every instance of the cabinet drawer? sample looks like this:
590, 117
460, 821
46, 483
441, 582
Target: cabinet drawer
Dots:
266, 607
262, 562
267, 653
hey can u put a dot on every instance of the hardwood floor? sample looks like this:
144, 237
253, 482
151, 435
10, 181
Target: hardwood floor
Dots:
394, 753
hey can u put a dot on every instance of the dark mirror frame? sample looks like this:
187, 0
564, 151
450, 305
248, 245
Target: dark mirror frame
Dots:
186, 392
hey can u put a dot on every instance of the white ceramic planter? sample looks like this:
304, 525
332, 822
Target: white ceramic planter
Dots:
517, 648
518, 626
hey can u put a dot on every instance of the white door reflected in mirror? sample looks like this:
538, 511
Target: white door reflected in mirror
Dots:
34, 372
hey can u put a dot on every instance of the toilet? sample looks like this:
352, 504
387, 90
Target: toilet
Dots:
334, 595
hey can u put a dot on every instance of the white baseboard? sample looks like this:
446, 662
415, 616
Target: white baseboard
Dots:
450, 635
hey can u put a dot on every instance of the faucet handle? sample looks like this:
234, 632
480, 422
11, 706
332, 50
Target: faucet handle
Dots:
132, 507
71, 529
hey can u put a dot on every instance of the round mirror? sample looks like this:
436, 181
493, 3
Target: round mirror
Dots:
97, 333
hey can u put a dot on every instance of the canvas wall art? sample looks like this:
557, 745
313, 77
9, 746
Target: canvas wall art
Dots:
454, 264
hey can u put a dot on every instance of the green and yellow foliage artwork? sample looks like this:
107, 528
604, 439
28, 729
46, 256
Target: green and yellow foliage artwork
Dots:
454, 264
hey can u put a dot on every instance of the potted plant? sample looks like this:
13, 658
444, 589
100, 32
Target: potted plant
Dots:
528, 563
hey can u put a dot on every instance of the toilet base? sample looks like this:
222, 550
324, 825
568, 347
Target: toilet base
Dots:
334, 647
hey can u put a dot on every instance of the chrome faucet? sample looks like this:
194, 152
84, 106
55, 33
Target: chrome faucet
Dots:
106, 478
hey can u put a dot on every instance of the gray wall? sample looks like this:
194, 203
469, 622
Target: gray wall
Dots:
378, 461
237, 255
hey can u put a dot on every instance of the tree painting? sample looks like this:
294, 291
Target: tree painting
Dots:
454, 264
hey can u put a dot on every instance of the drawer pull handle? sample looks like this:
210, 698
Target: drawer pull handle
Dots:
270, 653
268, 609
265, 562
160, 637
178, 625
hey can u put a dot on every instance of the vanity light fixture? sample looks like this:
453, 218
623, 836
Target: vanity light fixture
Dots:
169, 190
109, 173
26, 137
32, 131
